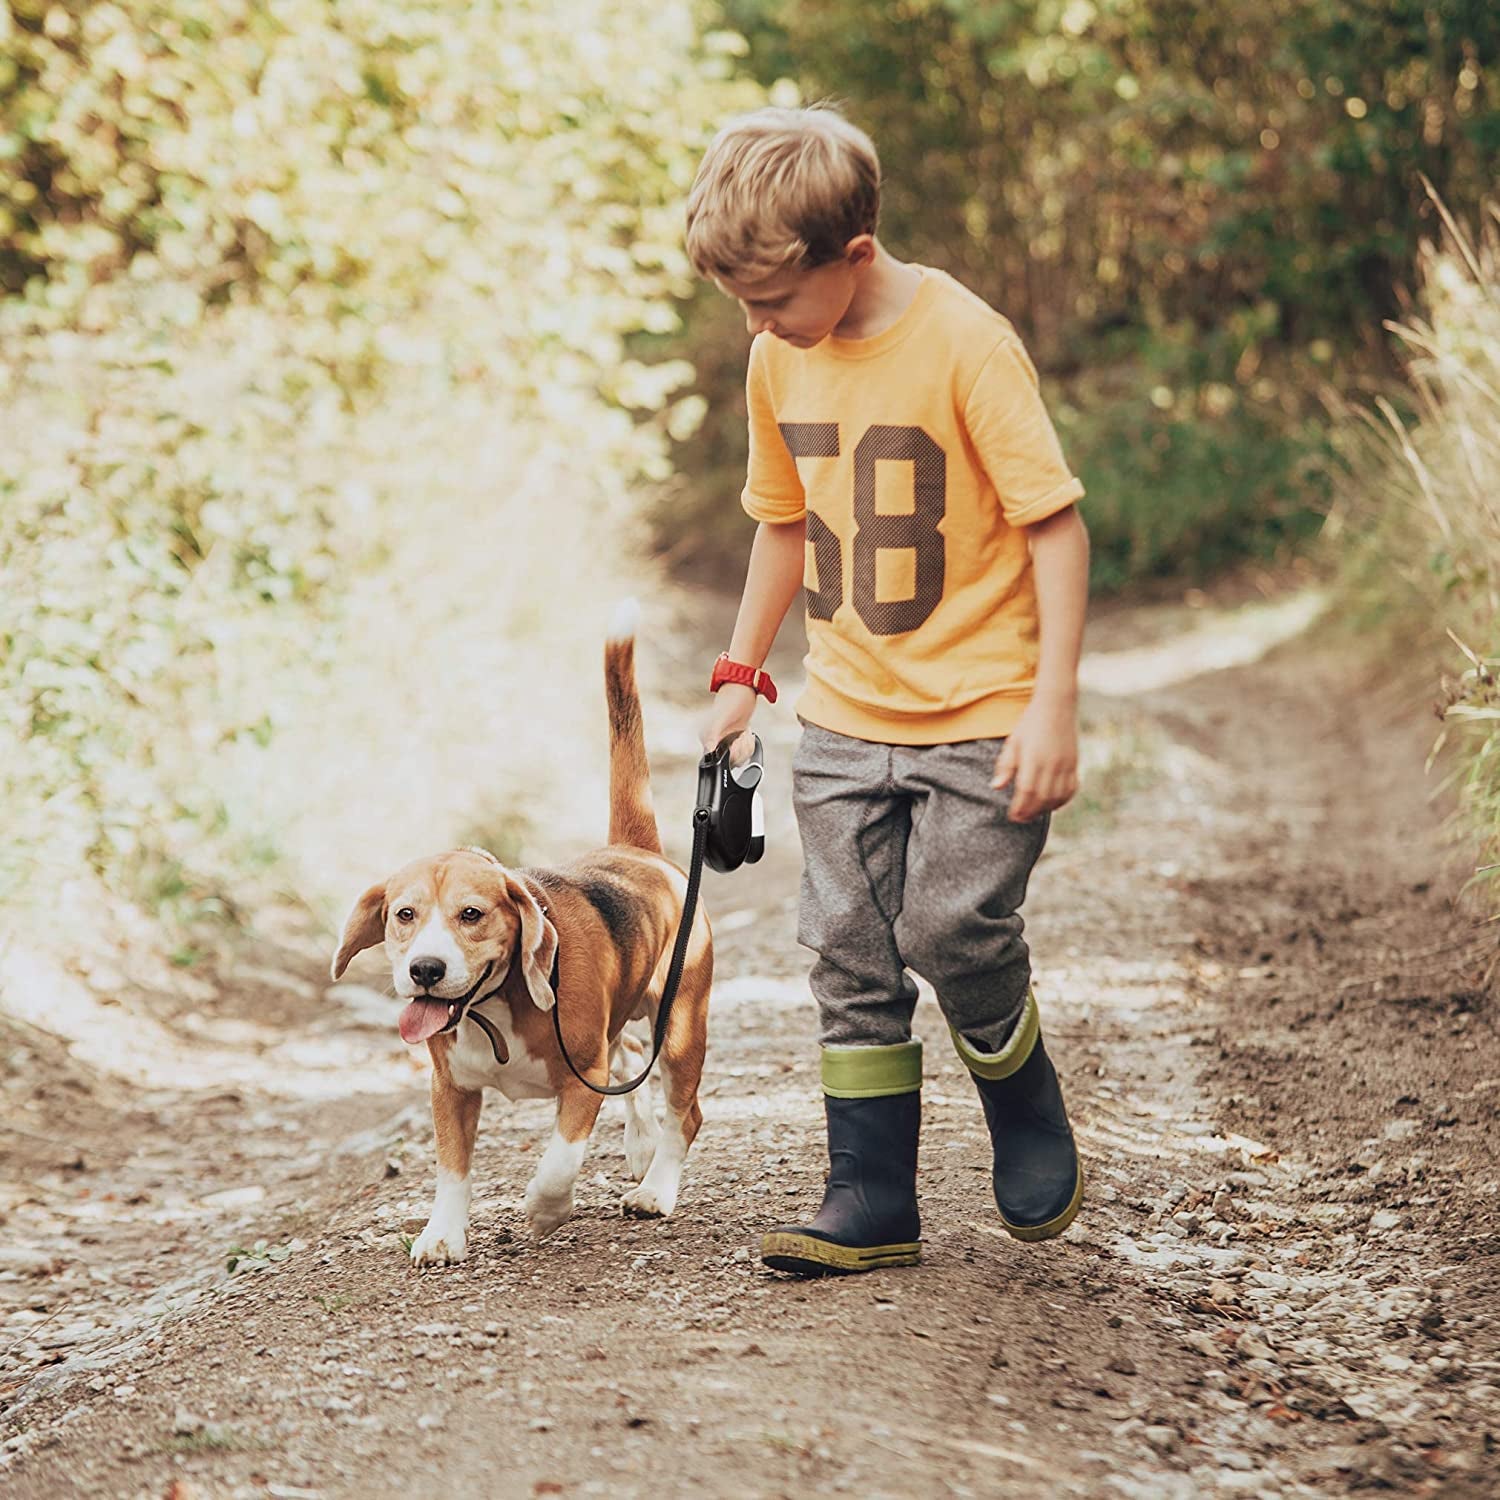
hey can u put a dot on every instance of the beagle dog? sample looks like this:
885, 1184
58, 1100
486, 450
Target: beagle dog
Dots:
480, 954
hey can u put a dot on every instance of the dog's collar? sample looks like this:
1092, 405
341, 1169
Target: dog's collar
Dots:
470, 1010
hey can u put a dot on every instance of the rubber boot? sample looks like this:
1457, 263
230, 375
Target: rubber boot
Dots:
873, 1100
1038, 1178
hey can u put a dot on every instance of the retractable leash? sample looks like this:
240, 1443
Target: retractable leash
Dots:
728, 831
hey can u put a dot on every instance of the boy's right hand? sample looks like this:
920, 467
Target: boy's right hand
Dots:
734, 703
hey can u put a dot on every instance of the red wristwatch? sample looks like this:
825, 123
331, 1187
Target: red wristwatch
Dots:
736, 671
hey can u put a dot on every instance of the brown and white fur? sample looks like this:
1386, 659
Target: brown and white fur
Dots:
612, 919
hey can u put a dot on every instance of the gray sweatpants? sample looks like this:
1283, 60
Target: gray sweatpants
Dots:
909, 861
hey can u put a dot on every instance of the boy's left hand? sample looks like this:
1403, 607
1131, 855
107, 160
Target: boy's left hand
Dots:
1040, 758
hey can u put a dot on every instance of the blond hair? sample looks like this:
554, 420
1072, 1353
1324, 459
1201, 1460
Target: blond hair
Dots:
780, 188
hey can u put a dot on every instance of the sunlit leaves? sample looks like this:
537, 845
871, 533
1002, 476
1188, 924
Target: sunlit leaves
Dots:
254, 254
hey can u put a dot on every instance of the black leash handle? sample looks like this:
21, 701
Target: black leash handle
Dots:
674, 972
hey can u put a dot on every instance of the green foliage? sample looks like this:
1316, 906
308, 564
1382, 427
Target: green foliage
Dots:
258, 1257
297, 297
1093, 163
1211, 198
1186, 478
214, 1437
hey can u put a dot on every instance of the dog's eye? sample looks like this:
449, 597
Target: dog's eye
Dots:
406, 914
470, 914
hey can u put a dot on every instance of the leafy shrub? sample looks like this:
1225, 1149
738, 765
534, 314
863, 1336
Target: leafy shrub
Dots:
320, 424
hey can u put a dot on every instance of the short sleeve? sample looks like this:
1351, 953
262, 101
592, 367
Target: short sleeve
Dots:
773, 488
1015, 439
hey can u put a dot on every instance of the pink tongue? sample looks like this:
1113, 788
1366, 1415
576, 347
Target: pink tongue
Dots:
421, 1019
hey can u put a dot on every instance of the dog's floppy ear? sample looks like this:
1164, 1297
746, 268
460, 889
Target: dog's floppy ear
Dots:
364, 928
538, 945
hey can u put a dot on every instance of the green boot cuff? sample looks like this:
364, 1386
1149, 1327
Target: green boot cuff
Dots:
870, 1072
1002, 1064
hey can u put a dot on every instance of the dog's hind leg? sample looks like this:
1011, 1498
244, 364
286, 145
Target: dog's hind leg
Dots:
627, 1058
455, 1121
549, 1194
681, 1065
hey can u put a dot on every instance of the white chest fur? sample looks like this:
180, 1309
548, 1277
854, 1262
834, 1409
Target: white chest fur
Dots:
473, 1066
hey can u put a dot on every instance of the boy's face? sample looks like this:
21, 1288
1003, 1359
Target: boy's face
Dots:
802, 307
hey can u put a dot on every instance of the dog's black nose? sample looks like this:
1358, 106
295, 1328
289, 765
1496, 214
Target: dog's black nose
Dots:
427, 971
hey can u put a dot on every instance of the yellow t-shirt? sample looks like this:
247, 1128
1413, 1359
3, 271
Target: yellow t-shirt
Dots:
917, 457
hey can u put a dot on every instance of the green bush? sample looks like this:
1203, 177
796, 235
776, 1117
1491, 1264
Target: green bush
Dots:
319, 414
1160, 194
1183, 483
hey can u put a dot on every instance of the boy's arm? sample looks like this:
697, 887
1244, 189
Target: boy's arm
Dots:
777, 562
1041, 754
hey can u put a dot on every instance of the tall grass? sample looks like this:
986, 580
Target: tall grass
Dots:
1420, 508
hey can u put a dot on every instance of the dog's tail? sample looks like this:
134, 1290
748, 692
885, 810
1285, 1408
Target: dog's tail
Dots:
632, 816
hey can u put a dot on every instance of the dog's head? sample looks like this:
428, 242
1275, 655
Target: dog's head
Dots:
452, 925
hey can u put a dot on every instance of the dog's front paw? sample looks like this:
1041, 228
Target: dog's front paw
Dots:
648, 1202
440, 1245
544, 1213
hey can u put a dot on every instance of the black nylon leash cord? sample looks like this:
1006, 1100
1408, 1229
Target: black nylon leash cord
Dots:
674, 973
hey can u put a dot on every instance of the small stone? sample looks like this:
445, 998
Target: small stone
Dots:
1250, 1347
1189, 1222
1204, 1343
1122, 1364
540, 1424
1246, 1179
1220, 1291
185, 1424
430, 1420
1163, 1439
1384, 1218
23, 1261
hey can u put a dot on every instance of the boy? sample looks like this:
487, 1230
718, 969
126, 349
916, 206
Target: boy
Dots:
903, 467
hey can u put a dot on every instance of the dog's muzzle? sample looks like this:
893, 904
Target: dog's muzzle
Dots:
427, 1016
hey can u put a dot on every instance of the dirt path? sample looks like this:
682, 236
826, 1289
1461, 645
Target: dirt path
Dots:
1277, 1047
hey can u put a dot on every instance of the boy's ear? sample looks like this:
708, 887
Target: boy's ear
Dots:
860, 251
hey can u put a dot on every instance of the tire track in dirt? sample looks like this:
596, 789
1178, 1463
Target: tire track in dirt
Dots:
1229, 1314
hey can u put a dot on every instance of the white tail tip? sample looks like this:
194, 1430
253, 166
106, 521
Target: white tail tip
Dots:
626, 619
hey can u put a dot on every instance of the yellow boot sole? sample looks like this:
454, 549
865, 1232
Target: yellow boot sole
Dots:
806, 1255
1053, 1227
